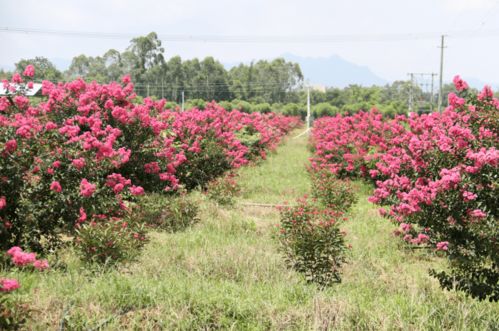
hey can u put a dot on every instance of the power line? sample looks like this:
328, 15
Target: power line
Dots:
385, 37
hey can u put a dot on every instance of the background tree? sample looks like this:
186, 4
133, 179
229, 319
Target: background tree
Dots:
44, 69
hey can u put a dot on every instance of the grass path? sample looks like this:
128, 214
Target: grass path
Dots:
226, 273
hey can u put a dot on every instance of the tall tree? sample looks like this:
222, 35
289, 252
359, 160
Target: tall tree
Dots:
44, 69
146, 53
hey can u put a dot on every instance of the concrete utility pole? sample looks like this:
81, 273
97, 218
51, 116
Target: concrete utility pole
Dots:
182, 100
308, 108
424, 85
442, 46
411, 91
432, 98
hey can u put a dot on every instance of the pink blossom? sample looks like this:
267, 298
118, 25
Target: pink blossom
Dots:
41, 265
14, 250
83, 215
469, 196
126, 79
152, 168
50, 126
136, 190
442, 246
29, 71
11, 146
21, 259
477, 213
118, 188
86, 188
56, 186
78, 163
16, 78
460, 84
8, 285
405, 227
3, 202
423, 238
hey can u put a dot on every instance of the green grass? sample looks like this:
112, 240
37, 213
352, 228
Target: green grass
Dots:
226, 273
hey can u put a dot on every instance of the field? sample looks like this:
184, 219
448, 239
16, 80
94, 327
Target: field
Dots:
118, 213
226, 273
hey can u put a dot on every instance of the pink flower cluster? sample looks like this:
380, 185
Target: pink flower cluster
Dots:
22, 259
8, 285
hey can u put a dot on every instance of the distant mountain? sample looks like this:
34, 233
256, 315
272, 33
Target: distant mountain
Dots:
479, 84
335, 72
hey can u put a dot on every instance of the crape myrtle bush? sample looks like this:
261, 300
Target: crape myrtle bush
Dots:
312, 242
171, 213
86, 151
223, 190
13, 314
110, 241
438, 173
331, 192
348, 146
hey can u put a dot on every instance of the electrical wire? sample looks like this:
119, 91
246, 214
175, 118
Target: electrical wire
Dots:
386, 37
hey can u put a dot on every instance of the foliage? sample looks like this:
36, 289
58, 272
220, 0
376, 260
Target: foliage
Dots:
223, 190
172, 213
312, 242
331, 192
204, 165
13, 315
44, 69
324, 109
110, 241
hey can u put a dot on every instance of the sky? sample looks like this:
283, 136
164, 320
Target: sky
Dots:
472, 27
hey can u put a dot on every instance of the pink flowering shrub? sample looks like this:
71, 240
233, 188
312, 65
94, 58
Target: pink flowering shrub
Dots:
311, 241
224, 190
438, 175
110, 241
348, 146
171, 213
88, 149
22, 259
331, 192
12, 314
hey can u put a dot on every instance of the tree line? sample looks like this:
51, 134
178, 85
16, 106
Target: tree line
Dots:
275, 85
207, 79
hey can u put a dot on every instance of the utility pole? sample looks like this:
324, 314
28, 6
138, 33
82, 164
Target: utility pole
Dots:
412, 96
442, 46
182, 100
308, 108
411, 91
431, 95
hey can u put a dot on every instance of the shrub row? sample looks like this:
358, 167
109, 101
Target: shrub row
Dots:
84, 153
438, 173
